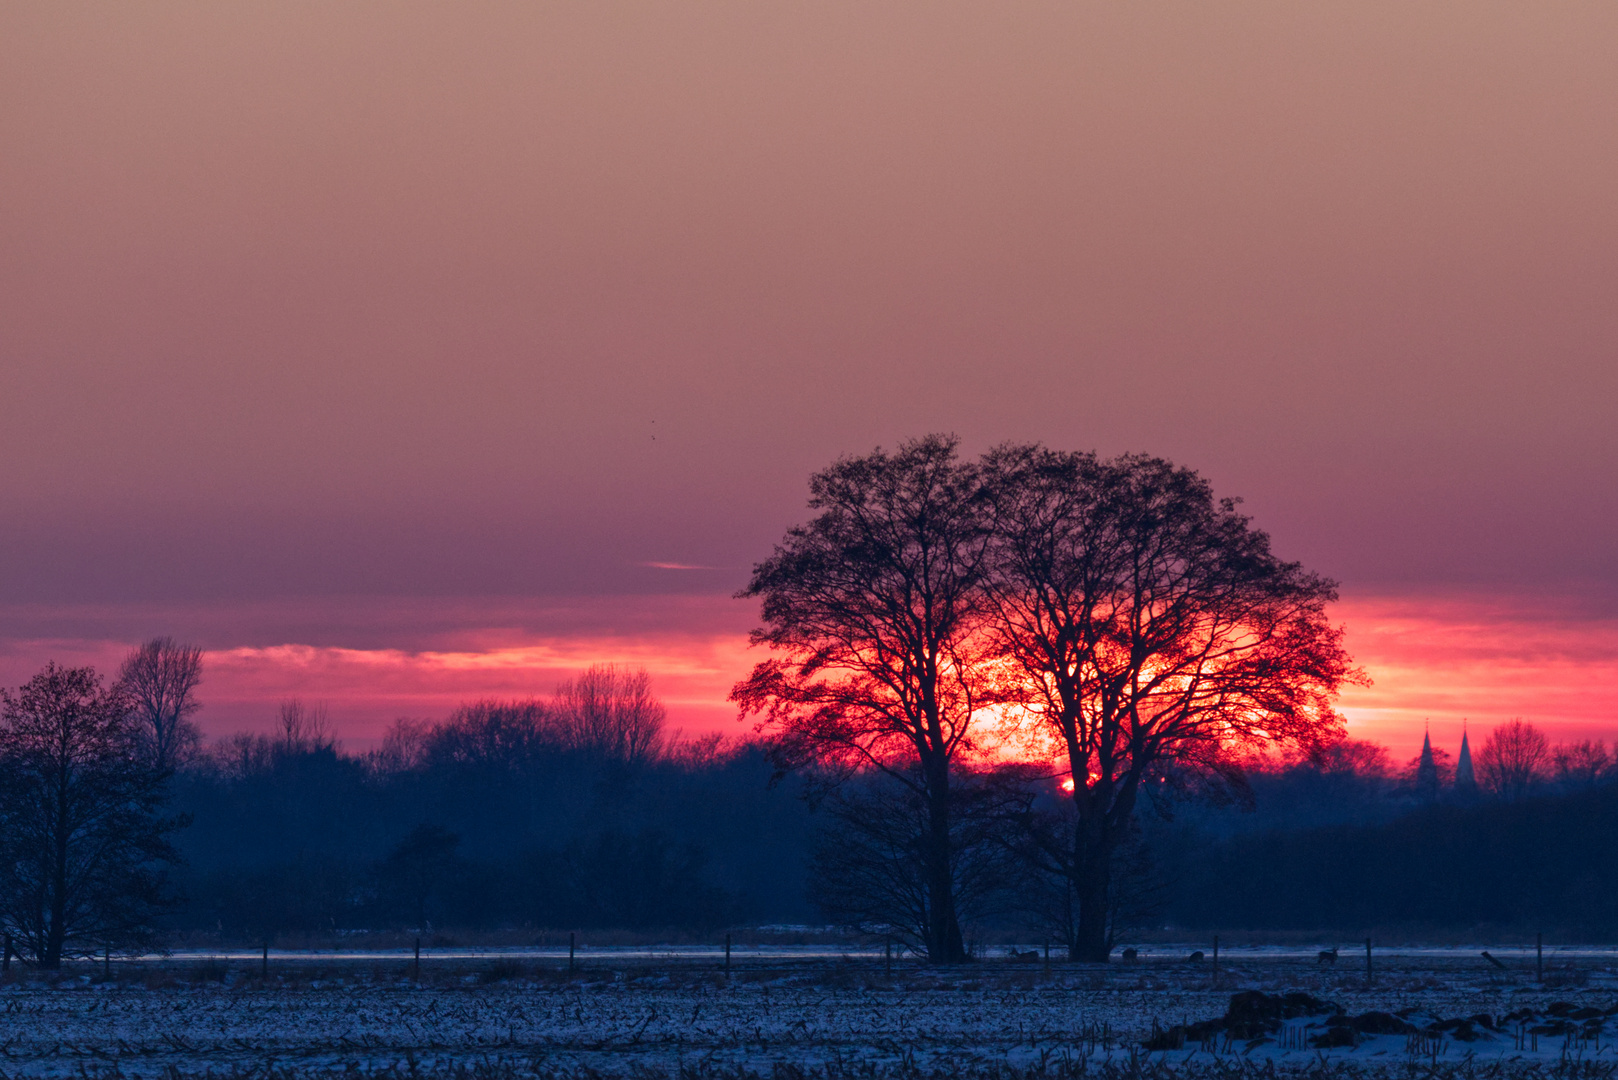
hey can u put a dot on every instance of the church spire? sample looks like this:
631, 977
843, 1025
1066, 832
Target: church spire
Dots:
1427, 769
1466, 781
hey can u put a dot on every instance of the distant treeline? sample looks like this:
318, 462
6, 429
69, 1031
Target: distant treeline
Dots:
503, 816
581, 811
1357, 850
576, 812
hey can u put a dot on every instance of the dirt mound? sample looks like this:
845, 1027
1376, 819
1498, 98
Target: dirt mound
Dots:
1252, 1014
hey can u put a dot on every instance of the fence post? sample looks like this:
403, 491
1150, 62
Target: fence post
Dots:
264, 970
572, 940
1539, 956
1367, 960
416, 971
1216, 960
887, 957
727, 956
106, 961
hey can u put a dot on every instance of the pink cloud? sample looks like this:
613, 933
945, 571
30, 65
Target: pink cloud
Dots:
372, 660
366, 688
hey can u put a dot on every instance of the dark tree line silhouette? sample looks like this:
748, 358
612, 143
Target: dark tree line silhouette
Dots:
1545, 861
576, 811
498, 817
1040, 694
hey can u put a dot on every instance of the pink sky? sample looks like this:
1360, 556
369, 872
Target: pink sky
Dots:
401, 355
1442, 660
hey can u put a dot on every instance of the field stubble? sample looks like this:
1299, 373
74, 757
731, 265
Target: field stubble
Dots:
508, 1018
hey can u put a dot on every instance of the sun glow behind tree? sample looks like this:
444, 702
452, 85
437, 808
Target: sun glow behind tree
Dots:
938, 614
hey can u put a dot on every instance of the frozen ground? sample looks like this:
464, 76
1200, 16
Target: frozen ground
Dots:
649, 1013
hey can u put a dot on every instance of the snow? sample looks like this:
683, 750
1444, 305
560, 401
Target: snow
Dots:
626, 1014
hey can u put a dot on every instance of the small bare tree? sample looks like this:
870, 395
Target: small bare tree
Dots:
499, 735
305, 728
1513, 759
160, 679
1582, 764
404, 746
612, 714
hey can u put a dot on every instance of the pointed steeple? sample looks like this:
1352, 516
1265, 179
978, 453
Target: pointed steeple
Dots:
1427, 769
1466, 781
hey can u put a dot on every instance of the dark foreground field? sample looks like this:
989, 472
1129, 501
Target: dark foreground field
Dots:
639, 1015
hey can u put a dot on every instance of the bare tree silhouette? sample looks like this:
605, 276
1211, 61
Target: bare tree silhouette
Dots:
1154, 634
1513, 759
404, 747
305, 728
611, 714
1582, 764
160, 679
1043, 876
874, 613
82, 830
503, 736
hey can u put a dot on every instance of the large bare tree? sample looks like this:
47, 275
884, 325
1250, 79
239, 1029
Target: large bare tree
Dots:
874, 613
160, 679
83, 836
1153, 633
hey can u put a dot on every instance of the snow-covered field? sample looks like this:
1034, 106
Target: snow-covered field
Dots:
631, 1015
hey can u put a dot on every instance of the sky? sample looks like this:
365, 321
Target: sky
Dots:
404, 355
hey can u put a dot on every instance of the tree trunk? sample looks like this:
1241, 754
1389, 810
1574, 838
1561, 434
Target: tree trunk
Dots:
1091, 941
944, 944
1092, 863
56, 932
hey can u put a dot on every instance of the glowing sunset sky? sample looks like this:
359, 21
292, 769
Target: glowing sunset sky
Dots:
410, 353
